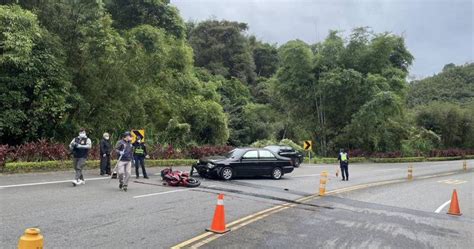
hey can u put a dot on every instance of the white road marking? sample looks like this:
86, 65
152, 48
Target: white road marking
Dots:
53, 182
452, 181
305, 175
442, 206
161, 193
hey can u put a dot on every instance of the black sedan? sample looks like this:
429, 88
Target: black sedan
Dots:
287, 151
245, 162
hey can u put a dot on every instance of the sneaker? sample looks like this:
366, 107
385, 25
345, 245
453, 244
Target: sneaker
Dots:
120, 186
75, 182
125, 188
83, 182
146, 177
138, 177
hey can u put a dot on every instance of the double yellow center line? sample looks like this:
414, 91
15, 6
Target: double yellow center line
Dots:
207, 237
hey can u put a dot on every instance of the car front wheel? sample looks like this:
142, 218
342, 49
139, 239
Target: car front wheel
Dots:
296, 163
226, 173
277, 173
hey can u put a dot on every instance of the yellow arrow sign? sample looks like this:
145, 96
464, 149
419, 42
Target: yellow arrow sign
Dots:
138, 134
308, 145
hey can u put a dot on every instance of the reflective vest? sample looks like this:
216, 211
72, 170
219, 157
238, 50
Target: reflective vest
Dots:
139, 151
343, 157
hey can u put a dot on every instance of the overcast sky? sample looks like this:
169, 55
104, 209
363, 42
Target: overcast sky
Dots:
437, 32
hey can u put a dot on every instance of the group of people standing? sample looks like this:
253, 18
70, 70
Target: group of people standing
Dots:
128, 154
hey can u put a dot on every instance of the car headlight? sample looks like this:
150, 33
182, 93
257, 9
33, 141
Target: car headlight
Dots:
210, 165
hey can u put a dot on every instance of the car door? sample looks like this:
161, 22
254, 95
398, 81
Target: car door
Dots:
248, 163
267, 162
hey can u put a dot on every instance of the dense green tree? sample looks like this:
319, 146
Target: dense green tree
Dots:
266, 59
378, 125
128, 14
325, 91
452, 122
259, 122
116, 65
34, 86
453, 84
222, 48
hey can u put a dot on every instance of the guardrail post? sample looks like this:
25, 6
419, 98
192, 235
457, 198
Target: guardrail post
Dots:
410, 172
322, 183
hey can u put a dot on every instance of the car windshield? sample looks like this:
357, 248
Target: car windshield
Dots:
235, 153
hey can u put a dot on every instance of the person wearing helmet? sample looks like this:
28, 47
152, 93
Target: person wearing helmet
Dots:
105, 149
80, 147
124, 166
343, 159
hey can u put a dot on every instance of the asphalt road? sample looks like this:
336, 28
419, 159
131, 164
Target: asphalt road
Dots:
97, 215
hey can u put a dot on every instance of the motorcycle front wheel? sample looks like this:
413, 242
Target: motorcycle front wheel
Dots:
192, 183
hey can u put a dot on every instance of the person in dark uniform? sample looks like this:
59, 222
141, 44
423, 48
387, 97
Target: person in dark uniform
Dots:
105, 150
343, 159
80, 147
139, 154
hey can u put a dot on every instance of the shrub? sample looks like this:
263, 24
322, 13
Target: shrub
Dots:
164, 152
42, 150
451, 152
203, 151
392, 154
3, 155
357, 153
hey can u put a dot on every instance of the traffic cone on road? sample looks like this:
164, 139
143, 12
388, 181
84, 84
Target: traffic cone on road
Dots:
454, 207
218, 222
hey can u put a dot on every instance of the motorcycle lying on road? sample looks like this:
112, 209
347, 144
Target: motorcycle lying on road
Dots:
179, 178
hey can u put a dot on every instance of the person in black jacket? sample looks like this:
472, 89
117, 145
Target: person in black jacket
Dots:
139, 154
80, 147
105, 149
124, 166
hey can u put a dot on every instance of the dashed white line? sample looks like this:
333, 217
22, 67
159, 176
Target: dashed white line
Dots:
53, 182
442, 206
161, 193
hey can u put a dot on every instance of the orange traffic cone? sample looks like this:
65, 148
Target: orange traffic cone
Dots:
454, 207
218, 223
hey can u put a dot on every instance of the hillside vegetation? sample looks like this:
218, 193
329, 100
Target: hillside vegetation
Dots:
117, 65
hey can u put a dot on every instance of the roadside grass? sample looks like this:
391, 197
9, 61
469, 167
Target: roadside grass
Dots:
332, 160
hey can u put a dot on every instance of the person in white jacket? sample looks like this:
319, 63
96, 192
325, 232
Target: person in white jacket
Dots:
80, 147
